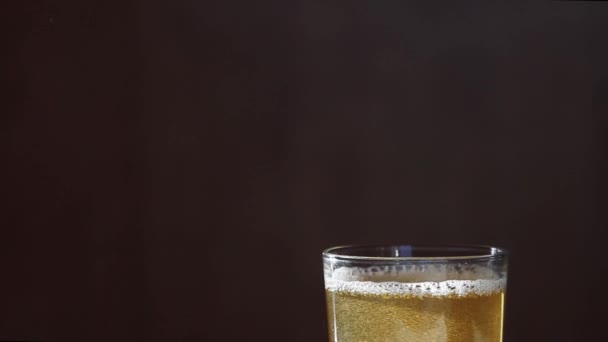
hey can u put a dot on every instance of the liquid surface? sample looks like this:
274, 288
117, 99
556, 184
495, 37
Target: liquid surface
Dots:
434, 311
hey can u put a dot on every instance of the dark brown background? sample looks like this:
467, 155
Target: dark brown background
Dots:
173, 169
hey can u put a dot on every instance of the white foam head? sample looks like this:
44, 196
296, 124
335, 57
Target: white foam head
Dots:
420, 280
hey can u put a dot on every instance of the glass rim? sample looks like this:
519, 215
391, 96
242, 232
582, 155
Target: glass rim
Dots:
491, 252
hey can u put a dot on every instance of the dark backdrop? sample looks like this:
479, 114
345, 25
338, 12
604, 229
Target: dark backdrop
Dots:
173, 169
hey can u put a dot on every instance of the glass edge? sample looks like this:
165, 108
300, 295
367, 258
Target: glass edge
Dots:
497, 253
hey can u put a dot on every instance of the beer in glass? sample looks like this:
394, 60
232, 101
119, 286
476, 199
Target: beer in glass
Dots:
415, 293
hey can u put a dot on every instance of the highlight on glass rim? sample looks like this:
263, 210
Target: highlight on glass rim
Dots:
418, 293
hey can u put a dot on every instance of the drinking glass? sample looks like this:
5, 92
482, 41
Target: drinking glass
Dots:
388, 293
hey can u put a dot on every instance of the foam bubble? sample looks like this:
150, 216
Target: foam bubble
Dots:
415, 282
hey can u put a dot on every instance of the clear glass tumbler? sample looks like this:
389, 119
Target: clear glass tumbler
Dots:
415, 293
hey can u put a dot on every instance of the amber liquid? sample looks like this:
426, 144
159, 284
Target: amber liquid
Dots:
369, 317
